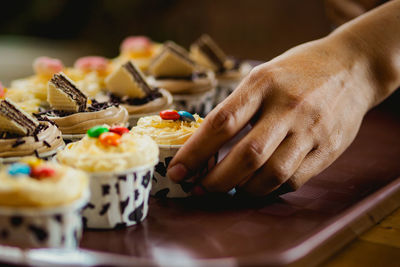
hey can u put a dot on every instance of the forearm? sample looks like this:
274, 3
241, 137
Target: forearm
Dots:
374, 40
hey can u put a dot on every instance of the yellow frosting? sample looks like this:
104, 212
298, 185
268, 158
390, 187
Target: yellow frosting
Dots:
91, 83
65, 186
167, 132
24, 98
91, 155
36, 84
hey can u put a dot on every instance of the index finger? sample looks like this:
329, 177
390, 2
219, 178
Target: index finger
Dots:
223, 123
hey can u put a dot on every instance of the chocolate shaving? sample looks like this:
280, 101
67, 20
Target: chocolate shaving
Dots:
194, 76
18, 142
46, 143
134, 101
36, 153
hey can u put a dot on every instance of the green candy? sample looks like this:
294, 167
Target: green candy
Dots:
96, 131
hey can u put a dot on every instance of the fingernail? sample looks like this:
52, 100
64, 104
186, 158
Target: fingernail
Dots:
198, 191
177, 172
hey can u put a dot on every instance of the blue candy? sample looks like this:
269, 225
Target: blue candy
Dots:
186, 116
19, 169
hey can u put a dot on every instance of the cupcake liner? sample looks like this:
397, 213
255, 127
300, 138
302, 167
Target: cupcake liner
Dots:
59, 227
45, 156
162, 186
200, 103
118, 199
223, 91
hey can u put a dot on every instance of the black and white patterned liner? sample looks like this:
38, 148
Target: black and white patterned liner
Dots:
201, 103
59, 227
45, 156
118, 199
162, 186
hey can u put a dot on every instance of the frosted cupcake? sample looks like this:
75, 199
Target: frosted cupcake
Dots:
192, 87
44, 68
140, 49
228, 71
127, 86
74, 113
170, 130
22, 135
120, 165
40, 204
89, 73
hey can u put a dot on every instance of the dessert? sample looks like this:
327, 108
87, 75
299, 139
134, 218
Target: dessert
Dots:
25, 99
120, 165
40, 204
89, 73
228, 71
74, 113
140, 49
170, 129
23, 135
127, 86
44, 68
192, 87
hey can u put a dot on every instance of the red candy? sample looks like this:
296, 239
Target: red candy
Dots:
47, 66
41, 172
135, 43
119, 130
92, 63
110, 139
169, 114
2, 90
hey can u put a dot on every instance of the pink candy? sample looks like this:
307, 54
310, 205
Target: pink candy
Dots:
47, 66
135, 44
92, 63
2, 90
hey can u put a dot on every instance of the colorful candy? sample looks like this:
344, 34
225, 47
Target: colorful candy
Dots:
169, 114
137, 46
110, 139
186, 116
42, 171
92, 63
119, 130
19, 169
33, 161
47, 66
96, 131
2, 90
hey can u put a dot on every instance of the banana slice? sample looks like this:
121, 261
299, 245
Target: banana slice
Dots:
128, 80
62, 94
173, 61
15, 120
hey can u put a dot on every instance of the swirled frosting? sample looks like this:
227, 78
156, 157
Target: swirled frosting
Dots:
185, 86
167, 132
91, 155
234, 75
79, 123
155, 105
66, 185
45, 142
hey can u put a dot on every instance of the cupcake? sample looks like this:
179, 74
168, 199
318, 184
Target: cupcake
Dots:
74, 113
140, 49
40, 204
120, 165
22, 135
25, 99
127, 86
36, 85
228, 71
170, 130
89, 73
192, 87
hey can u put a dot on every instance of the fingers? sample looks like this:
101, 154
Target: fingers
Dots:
224, 122
249, 154
280, 166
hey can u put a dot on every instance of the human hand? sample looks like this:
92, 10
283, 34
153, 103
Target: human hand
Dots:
342, 11
306, 107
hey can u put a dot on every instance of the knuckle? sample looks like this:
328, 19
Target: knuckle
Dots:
253, 154
222, 121
279, 173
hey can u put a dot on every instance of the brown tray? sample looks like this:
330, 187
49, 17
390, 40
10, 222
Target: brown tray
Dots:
299, 228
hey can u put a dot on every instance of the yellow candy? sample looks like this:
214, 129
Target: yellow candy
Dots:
32, 161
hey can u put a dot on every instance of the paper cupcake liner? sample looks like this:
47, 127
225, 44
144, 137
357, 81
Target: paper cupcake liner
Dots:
201, 103
118, 199
162, 186
45, 156
59, 227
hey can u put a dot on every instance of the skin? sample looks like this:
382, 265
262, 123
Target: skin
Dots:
306, 107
